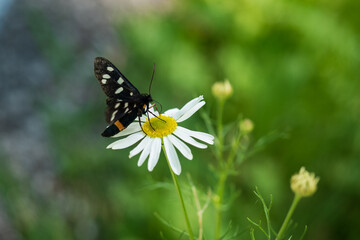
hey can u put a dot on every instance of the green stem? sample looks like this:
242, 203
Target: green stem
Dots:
288, 216
220, 128
220, 194
178, 189
224, 173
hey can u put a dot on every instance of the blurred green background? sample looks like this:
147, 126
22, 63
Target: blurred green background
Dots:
294, 67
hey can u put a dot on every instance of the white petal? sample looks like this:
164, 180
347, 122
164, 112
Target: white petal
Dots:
187, 106
145, 153
172, 156
154, 153
191, 111
199, 135
132, 128
185, 150
171, 112
185, 137
141, 146
127, 142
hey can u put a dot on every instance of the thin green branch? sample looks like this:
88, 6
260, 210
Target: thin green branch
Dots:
200, 210
266, 210
178, 189
166, 223
288, 216
258, 226
252, 234
220, 133
303, 234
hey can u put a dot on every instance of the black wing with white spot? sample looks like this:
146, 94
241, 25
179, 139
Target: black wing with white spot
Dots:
124, 102
117, 109
119, 115
112, 81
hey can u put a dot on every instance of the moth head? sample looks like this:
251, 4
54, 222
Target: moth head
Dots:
147, 98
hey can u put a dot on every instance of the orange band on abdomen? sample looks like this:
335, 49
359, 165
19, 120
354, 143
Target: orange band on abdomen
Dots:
119, 125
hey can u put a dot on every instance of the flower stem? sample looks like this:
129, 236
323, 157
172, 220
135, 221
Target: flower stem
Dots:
224, 172
220, 128
288, 216
220, 194
178, 189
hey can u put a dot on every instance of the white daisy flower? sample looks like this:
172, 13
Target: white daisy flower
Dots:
166, 132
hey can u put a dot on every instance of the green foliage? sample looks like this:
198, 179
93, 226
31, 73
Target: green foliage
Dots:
294, 66
267, 216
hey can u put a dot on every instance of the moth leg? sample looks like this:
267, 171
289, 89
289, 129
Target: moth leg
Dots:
141, 125
156, 108
154, 105
139, 116
147, 113
157, 116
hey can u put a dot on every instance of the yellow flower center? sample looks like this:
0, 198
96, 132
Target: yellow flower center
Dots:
161, 126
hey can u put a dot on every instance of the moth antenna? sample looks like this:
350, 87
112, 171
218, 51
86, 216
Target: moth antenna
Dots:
152, 79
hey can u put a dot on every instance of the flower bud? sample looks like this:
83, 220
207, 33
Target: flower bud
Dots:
222, 90
304, 183
246, 126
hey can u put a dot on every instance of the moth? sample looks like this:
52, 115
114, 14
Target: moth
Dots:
124, 101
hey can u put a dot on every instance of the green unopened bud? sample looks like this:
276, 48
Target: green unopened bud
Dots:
304, 183
246, 126
222, 90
